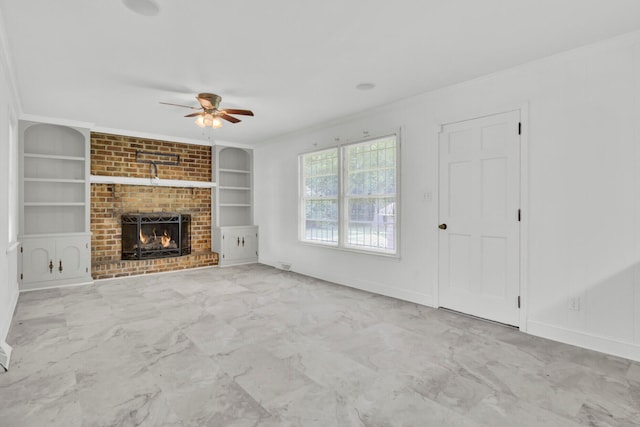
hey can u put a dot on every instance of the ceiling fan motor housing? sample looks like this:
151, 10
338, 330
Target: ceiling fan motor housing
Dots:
212, 98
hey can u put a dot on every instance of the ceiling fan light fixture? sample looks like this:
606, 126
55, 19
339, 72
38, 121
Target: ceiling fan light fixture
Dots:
216, 123
200, 121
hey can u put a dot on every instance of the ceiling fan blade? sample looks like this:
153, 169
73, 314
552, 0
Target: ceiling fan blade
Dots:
228, 117
178, 105
234, 111
195, 114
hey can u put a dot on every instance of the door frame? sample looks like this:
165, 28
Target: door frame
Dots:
524, 198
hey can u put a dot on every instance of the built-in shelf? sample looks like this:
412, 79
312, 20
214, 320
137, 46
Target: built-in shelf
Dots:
59, 180
125, 180
54, 226
53, 157
235, 188
235, 237
234, 170
54, 203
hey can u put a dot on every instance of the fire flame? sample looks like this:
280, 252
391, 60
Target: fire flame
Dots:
165, 239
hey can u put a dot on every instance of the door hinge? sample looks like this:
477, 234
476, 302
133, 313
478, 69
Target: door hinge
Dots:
518, 301
21, 249
21, 276
519, 128
222, 255
519, 215
86, 270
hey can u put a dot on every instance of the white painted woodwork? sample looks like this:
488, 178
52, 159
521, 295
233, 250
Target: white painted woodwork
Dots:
479, 192
237, 245
234, 236
55, 261
126, 180
54, 205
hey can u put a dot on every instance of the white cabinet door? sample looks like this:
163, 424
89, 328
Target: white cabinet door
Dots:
249, 243
72, 257
56, 260
238, 245
38, 257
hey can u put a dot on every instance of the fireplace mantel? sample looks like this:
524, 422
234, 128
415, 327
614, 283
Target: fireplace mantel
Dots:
126, 180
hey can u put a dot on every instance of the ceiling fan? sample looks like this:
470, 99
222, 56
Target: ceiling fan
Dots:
210, 114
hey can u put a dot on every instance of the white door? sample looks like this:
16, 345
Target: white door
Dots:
479, 244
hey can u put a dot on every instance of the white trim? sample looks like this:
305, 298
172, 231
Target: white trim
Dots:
5, 355
157, 273
125, 180
53, 285
12, 246
9, 316
524, 217
584, 340
36, 119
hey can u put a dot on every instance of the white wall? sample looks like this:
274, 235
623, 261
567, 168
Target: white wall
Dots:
582, 214
9, 111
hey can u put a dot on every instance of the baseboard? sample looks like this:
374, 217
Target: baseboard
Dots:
6, 322
5, 349
376, 288
581, 339
41, 286
5, 356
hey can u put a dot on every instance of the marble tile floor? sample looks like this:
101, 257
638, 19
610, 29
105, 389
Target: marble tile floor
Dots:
256, 346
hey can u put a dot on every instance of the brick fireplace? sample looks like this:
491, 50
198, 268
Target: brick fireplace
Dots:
115, 156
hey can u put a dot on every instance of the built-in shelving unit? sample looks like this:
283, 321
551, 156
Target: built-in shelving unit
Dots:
54, 205
235, 236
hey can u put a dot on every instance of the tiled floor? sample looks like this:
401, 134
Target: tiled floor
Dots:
255, 346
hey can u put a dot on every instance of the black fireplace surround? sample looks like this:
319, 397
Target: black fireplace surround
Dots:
155, 235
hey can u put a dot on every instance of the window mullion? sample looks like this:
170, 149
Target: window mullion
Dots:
342, 218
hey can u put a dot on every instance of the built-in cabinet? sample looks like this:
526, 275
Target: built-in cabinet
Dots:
54, 205
235, 237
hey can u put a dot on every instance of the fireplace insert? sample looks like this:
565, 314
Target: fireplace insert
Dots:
155, 235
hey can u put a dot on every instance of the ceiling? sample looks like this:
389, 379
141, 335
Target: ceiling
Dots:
295, 63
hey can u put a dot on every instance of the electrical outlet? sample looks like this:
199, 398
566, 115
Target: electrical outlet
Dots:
574, 304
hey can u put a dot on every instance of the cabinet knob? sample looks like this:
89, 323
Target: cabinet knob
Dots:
243, 242
51, 266
60, 268
238, 240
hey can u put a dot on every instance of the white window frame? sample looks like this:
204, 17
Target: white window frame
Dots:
343, 222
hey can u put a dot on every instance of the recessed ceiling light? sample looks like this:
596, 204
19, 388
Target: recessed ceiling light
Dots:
142, 7
365, 86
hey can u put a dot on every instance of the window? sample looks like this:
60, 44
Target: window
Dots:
349, 196
320, 196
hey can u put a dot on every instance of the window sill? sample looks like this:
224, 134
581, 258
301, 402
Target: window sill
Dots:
395, 256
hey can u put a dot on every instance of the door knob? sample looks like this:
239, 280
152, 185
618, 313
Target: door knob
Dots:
442, 226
